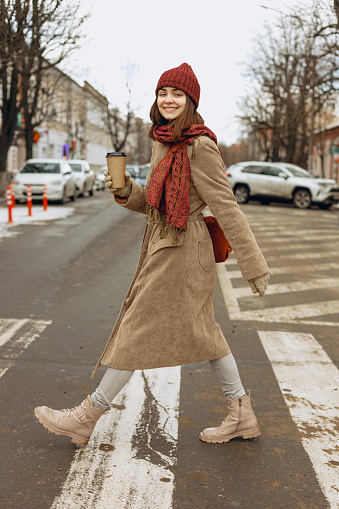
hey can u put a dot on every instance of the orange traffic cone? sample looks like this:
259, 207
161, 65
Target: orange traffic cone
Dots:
29, 200
9, 205
45, 199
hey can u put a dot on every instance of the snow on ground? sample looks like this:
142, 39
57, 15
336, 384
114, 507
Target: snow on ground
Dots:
39, 217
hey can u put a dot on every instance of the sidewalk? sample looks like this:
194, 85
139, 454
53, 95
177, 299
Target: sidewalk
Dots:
39, 216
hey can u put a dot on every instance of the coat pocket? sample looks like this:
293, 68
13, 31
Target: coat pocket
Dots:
157, 243
206, 254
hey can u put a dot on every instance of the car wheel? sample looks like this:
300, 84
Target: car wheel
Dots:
325, 206
63, 199
302, 199
74, 197
241, 193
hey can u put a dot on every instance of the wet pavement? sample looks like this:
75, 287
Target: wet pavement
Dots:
62, 284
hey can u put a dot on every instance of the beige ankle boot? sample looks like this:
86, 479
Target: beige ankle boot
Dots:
240, 422
77, 423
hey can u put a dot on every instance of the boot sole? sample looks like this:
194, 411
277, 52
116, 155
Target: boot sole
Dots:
250, 433
76, 439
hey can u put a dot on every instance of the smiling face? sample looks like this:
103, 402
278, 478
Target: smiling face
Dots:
171, 102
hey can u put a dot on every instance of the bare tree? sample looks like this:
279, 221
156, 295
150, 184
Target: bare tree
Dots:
12, 46
234, 153
140, 144
295, 72
118, 125
336, 10
34, 36
55, 32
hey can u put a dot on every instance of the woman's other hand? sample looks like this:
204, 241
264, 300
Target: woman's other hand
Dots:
123, 192
259, 284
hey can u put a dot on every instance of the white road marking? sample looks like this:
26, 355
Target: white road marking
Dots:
301, 247
310, 238
309, 382
282, 314
137, 472
292, 269
15, 337
298, 311
296, 286
295, 256
287, 232
8, 328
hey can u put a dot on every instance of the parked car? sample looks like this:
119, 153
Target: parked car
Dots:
84, 176
55, 173
100, 179
133, 170
143, 170
280, 182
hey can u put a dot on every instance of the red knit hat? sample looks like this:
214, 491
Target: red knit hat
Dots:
184, 79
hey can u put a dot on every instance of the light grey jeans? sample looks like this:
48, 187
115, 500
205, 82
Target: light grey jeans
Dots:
114, 380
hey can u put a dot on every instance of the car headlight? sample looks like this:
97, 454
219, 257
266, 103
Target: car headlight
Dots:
56, 182
17, 182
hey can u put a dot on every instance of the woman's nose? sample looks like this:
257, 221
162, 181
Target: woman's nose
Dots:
169, 99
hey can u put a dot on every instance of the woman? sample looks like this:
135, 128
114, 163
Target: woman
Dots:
167, 316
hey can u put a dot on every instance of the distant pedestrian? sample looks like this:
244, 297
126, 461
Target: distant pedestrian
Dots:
167, 317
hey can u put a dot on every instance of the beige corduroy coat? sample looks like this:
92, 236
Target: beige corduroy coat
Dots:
167, 317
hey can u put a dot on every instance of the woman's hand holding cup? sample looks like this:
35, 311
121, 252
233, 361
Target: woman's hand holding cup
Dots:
121, 191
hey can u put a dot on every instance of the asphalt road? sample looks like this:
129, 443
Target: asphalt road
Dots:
62, 284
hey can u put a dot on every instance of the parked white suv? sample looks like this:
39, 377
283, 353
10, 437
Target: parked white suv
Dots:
84, 176
280, 182
55, 173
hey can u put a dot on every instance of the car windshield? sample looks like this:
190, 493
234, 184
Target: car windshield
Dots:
298, 172
131, 171
41, 168
143, 170
75, 166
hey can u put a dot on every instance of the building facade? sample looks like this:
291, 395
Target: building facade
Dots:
74, 124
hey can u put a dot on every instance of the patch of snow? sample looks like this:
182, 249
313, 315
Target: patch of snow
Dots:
39, 217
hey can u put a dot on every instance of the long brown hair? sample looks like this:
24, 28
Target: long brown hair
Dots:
184, 121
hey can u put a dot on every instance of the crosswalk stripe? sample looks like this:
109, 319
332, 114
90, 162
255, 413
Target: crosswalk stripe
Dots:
291, 269
288, 313
15, 337
285, 227
282, 314
8, 328
295, 256
309, 383
296, 286
303, 247
275, 239
142, 437
266, 232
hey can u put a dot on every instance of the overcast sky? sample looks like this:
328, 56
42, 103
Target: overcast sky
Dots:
213, 36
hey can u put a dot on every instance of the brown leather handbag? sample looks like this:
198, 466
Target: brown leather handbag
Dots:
221, 247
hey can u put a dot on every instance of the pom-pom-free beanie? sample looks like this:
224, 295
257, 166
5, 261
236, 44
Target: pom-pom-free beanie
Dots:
184, 79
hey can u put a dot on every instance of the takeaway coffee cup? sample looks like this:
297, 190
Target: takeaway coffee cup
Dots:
116, 164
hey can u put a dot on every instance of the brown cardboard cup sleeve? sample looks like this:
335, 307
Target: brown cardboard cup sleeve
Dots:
116, 164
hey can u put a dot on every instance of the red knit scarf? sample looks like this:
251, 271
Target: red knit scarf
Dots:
169, 188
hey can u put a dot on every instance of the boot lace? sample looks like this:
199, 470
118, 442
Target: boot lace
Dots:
227, 418
71, 412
